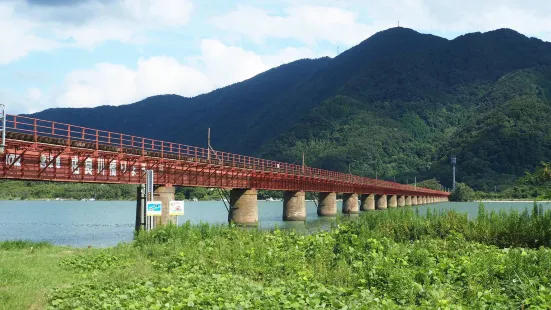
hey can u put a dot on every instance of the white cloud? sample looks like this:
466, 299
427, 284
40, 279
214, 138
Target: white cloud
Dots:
308, 24
122, 20
350, 22
112, 84
27, 28
17, 38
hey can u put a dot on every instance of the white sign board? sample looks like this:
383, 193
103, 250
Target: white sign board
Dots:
154, 208
176, 208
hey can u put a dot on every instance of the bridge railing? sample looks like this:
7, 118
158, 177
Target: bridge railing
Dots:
49, 132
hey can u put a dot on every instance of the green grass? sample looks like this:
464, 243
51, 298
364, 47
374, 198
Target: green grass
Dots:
381, 260
28, 271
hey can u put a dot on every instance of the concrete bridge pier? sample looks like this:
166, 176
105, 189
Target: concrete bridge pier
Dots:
401, 201
243, 207
382, 202
294, 206
164, 194
393, 201
327, 204
350, 203
367, 202
424, 200
414, 200
408, 201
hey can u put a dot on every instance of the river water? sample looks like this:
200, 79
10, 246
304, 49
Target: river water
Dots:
107, 223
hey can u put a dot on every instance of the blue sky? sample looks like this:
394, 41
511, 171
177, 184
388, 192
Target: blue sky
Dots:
86, 53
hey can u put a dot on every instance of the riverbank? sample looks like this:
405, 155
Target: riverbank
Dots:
391, 259
516, 200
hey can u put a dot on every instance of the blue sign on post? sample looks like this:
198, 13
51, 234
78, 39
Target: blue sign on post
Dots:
154, 208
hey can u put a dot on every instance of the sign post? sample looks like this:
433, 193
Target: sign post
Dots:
150, 220
154, 208
176, 209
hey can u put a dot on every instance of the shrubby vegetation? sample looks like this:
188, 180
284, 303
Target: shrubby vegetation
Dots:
22, 190
381, 260
462, 192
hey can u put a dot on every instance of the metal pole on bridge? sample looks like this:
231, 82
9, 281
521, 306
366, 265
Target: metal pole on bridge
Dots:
3, 118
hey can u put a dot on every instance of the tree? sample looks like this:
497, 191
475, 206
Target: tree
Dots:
462, 192
430, 184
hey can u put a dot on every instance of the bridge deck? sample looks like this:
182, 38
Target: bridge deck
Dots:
45, 150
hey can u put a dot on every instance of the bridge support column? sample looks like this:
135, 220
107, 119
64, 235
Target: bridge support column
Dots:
368, 202
294, 206
414, 201
424, 200
408, 201
327, 204
164, 194
350, 203
393, 201
243, 207
382, 202
402, 201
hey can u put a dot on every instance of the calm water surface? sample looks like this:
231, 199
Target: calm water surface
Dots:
106, 223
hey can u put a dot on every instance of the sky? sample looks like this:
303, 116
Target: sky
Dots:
87, 53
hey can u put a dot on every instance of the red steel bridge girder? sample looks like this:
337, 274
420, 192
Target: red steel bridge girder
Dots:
44, 150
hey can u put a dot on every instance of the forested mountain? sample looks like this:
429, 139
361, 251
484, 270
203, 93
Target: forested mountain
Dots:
395, 106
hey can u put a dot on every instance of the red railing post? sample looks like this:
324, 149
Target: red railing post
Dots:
132, 141
179, 152
69, 135
97, 139
35, 131
83, 134
143, 146
53, 128
109, 138
120, 144
162, 149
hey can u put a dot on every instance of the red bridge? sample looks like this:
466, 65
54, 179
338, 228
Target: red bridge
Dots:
44, 150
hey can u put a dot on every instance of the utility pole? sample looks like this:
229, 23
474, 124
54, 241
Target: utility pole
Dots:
415, 181
208, 144
454, 161
3, 119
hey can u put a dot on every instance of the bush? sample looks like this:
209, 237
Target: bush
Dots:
462, 192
